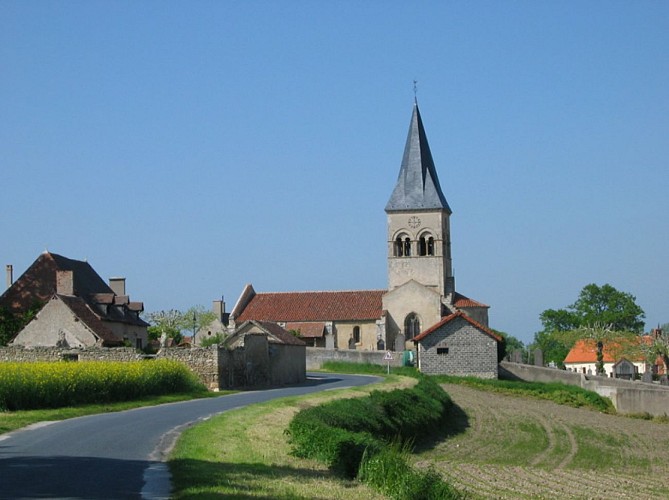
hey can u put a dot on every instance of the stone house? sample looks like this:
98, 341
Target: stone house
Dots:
76, 308
263, 354
458, 345
421, 285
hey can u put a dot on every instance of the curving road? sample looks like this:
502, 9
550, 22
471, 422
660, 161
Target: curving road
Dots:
120, 455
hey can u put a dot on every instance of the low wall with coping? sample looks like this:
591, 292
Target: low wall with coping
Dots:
216, 367
628, 397
316, 356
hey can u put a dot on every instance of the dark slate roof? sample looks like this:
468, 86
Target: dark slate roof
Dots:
417, 185
82, 310
38, 284
314, 306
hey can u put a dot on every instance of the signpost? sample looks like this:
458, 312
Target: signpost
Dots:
388, 357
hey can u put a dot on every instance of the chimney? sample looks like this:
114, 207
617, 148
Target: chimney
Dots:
65, 282
117, 285
10, 275
219, 309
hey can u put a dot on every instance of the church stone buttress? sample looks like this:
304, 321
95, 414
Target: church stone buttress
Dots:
419, 234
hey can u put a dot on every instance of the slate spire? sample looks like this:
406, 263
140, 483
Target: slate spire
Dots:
417, 185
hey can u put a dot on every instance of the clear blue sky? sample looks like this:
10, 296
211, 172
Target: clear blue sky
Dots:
194, 147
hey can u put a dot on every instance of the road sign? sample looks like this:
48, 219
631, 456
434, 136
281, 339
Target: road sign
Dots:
388, 356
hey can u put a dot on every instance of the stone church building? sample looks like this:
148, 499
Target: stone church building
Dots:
421, 286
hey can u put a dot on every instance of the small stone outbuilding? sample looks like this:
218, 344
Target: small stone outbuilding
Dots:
262, 354
458, 345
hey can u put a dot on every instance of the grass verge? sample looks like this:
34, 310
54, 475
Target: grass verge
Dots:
557, 392
245, 454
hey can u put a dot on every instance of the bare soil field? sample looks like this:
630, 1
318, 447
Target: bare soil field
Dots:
513, 447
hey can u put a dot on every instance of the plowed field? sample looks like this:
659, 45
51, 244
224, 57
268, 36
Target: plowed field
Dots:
513, 447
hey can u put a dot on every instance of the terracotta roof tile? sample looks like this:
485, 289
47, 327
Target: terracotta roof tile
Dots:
450, 318
307, 330
460, 300
314, 306
585, 351
280, 333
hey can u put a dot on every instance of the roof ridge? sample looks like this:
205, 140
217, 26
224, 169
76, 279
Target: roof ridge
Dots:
322, 291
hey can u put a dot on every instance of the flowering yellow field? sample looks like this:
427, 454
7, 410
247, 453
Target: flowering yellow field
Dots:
25, 386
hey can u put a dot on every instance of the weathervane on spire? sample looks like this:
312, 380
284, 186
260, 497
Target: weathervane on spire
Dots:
415, 90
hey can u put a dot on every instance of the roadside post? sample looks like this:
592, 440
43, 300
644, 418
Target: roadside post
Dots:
388, 358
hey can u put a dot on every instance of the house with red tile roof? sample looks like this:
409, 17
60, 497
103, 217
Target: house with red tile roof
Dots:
76, 308
624, 358
421, 285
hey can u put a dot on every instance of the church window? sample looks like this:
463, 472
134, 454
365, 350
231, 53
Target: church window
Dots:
402, 246
411, 326
426, 245
356, 334
442, 350
407, 247
399, 247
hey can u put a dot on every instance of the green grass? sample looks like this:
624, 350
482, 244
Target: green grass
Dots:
245, 454
557, 392
367, 369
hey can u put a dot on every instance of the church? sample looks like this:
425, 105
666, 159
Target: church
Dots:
421, 300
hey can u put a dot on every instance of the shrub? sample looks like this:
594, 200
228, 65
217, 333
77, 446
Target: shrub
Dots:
338, 433
388, 471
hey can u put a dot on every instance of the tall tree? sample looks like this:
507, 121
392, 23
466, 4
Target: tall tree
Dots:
599, 313
603, 306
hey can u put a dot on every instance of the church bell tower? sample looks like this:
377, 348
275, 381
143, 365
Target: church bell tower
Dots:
419, 234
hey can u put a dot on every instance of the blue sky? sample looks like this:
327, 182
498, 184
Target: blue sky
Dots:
194, 147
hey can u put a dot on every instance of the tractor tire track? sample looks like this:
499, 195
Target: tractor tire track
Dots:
518, 448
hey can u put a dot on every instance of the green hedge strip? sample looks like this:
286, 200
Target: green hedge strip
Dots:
344, 433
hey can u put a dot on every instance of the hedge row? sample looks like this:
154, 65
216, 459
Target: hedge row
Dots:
339, 433
387, 472
28, 386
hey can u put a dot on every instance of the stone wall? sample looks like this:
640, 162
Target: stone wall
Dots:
217, 368
628, 397
316, 356
203, 361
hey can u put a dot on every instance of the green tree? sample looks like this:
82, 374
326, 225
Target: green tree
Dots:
607, 306
12, 323
554, 345
217, 338
508, 345
169, 323
177, 324
600, 313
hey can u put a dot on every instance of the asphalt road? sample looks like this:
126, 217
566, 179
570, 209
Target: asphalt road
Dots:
120, 455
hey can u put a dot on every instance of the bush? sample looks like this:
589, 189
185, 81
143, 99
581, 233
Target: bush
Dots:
338, 433
388, 472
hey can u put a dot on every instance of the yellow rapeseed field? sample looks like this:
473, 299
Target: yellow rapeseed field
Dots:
25, 386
